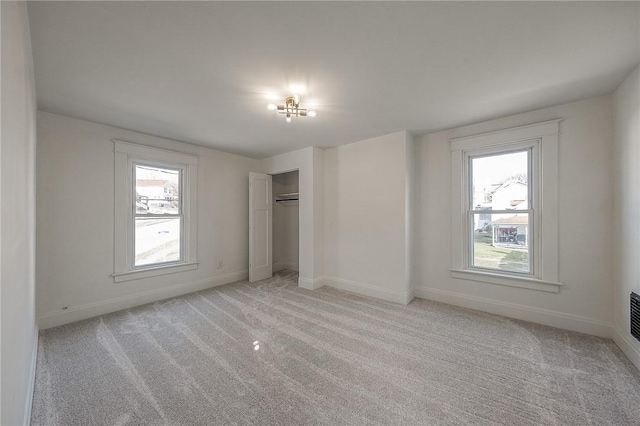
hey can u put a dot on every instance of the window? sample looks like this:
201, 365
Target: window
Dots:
155, 211
158, 214
501, 183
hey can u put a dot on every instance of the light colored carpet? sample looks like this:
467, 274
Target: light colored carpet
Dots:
325, 357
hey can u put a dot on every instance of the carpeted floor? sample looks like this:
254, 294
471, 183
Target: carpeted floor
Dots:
272, 353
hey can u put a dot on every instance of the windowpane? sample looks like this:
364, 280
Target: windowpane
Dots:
157, 190
503, 244
500, 182
157, 240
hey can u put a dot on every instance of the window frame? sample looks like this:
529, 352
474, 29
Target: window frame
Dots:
542, 139
127, 155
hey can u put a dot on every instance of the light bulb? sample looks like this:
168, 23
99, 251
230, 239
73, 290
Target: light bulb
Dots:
296, 99
312, 114
272, 107
288, 119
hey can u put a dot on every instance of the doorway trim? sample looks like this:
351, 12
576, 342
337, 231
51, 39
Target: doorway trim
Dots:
308, 162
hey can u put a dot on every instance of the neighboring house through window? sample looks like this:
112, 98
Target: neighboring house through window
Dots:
155, 212
501, 183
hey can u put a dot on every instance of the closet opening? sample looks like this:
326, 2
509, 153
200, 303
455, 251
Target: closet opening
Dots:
285, 225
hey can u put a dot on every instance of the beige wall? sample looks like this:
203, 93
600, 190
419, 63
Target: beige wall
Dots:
76, 223
626, 217
585, 232
366, 217
17, 216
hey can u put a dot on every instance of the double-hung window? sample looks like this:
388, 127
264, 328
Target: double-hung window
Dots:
505, 207
500, 210
156, 201
155, 211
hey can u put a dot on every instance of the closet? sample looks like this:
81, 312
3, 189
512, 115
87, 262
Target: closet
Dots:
285, 236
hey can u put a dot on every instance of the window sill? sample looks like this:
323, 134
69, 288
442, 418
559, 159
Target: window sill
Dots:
153, 272
511, 281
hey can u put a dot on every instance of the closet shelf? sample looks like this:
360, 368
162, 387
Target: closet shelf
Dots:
289, 195
290, 198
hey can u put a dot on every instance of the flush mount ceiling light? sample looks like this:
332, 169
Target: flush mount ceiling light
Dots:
291, 108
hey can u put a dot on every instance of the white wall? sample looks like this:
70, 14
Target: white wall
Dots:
309, 163
17, 217
626, 190
318, 215
410, 215
75, 190
285, 223
366, 243
585, 208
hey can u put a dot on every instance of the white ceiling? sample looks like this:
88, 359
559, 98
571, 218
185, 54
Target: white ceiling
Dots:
201, 72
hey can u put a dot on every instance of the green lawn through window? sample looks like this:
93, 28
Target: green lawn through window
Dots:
503, 259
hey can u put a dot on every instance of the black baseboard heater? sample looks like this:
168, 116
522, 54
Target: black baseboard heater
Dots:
635, 315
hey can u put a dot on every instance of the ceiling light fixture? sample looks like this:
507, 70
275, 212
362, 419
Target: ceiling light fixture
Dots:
291, 108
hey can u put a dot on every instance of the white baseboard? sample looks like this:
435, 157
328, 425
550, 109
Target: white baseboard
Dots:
625, 342
310, 284
370, 290
411, 295
279, 266
32, 379
77, 313
521, 312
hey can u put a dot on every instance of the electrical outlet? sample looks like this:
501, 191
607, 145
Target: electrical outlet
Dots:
220, 264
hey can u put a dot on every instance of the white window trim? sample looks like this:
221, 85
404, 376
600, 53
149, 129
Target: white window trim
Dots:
126, 154
543, 138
